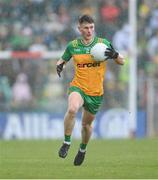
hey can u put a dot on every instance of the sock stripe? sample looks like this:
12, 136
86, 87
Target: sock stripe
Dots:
83, 146
65, 142
67, 139
82, 150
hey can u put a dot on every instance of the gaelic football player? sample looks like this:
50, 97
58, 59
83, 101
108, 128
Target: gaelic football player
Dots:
86, 88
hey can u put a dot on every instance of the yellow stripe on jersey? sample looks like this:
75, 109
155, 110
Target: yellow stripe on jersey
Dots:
74, 43
100, 40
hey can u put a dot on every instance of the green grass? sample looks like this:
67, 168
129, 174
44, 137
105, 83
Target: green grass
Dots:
105, 159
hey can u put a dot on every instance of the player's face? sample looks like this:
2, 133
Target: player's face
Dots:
86, 30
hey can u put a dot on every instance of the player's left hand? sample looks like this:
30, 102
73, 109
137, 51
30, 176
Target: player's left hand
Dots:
110, 53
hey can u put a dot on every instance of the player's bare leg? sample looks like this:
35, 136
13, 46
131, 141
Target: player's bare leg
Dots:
87, 120
75, 101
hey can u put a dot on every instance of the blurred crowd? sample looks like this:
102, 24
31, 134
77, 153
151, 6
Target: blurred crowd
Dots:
48, 25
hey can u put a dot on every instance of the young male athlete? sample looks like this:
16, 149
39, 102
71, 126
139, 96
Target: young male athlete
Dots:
86, 88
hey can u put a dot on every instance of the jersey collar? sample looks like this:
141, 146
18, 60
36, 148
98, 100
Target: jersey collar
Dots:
81, 40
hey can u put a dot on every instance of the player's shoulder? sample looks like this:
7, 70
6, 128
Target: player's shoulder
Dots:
103, 40
73, 43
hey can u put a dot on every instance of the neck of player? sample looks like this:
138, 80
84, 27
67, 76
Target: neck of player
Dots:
87, 41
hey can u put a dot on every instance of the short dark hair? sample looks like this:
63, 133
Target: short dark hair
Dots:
85, 18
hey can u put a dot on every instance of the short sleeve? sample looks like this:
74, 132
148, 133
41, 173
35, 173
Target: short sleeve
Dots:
105, 41
67, 53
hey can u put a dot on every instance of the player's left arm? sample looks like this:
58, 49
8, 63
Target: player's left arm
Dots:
111, 53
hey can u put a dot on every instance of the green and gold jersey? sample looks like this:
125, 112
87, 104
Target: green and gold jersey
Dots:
89, 74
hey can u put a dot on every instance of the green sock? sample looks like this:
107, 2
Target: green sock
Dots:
67, 139
83, 146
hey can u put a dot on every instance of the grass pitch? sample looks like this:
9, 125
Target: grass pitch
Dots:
106, 159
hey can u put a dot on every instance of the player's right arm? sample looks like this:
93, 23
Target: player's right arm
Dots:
60, 66
63, 60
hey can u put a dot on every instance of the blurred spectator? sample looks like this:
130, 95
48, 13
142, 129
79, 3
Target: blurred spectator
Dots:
64, 16
124, 8
87, 9
121, 39
144, 9
5, 91
153, 48
22, 93
20, 41
53, 88
153, 23
38, 45
110, 12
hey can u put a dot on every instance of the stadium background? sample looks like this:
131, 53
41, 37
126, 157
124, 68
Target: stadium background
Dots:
33, 100
33, 35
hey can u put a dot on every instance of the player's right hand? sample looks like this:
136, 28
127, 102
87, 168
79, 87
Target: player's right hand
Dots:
59, 68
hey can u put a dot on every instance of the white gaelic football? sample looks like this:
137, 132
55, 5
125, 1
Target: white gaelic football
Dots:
98, 52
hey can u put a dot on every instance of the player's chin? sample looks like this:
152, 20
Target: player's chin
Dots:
88, 37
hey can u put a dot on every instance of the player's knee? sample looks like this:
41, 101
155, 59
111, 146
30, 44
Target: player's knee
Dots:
73, 110
86, 126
